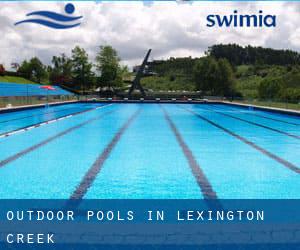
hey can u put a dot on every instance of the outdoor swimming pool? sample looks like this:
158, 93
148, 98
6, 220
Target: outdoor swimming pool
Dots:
196, 151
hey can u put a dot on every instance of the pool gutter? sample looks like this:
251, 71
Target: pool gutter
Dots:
246, 106
263, 108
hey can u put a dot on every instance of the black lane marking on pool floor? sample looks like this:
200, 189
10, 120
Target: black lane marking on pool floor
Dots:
36, 125
50, 139
273, 119
256, 124
38, 114
266, 117
94, 170
202, 181
283, 162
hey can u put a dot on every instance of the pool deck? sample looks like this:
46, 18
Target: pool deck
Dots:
263, 108
19, 108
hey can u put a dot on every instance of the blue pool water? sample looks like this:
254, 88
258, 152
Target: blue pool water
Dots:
17, 120
149, 151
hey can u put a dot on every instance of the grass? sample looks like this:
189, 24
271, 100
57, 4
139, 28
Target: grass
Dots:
15, 79
165, 83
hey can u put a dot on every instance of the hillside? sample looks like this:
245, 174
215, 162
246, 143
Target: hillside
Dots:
258, 73
15, 79
281, 83
165, 83
172, 74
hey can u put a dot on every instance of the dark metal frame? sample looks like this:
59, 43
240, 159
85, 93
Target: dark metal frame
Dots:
136, 82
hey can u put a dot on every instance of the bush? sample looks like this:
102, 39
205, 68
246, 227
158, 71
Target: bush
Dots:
270, 88
277, 88
2, 70
172, 78
290, 95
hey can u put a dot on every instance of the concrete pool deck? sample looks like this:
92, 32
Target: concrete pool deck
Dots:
265, 108
32, 106
108, 100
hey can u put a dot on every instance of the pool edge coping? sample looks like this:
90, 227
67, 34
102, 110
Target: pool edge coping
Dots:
264, 108
243, 105
33, 106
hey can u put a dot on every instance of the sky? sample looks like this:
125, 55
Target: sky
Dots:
171, 29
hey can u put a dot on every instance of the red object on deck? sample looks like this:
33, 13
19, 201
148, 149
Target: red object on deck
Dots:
48, 87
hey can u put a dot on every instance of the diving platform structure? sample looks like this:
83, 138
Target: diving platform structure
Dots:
136, 84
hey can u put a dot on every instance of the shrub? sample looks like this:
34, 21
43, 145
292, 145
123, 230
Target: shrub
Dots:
290, 95
172, 78
269, 88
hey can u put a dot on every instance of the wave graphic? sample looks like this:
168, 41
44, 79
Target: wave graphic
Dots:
55, 20
48, 24
54, 16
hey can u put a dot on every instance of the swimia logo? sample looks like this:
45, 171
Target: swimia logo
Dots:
54, 20
239, 20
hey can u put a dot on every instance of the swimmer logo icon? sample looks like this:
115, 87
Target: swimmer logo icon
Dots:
54, 20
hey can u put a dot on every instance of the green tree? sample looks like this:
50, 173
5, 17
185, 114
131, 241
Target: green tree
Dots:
290, 94
213, 76
224, 83
38, 70
205, 74
25, 69
61, 71
108, 65
238, 55
81, 69
33, 70
270, 88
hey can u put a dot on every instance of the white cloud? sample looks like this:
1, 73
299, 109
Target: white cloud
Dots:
170, 29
